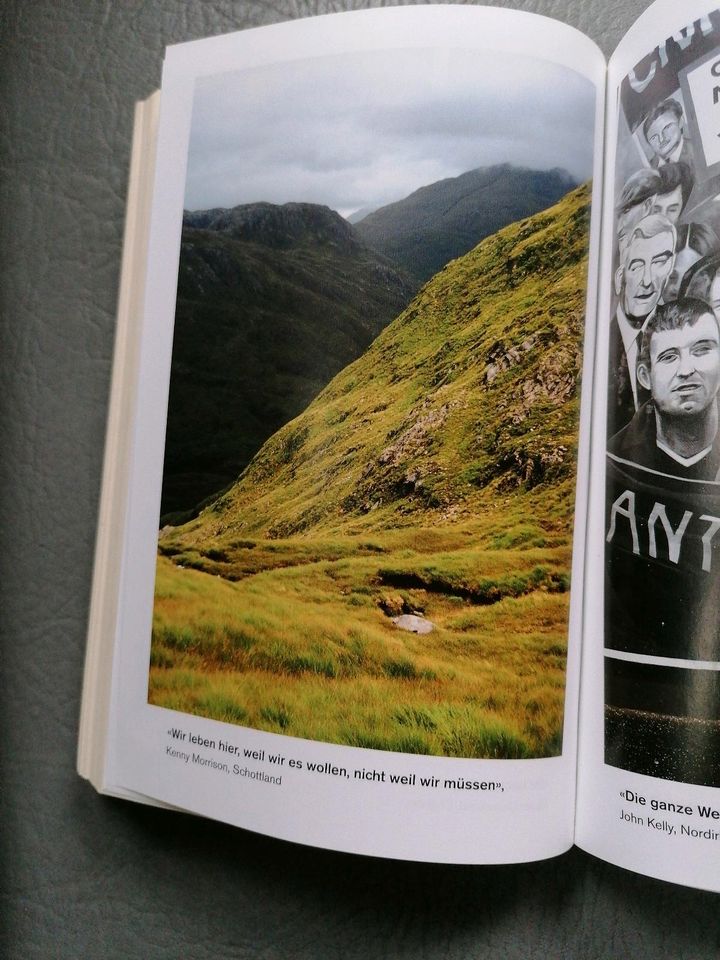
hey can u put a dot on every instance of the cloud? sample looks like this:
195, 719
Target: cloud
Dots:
364, 130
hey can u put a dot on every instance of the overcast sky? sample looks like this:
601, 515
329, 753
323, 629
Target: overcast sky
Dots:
364, 130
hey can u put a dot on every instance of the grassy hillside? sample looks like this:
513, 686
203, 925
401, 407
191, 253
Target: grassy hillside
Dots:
469, 396
435, 476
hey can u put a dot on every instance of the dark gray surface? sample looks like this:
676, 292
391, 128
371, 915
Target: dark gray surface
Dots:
85, 876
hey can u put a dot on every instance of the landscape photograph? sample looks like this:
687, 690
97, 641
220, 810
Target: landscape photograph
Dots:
367, 507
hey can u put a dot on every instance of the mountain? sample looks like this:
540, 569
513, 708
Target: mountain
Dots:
272, 302
360, 214
468, 401
431, 481
278, 227
444, 220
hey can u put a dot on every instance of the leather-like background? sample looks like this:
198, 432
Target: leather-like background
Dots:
86, 876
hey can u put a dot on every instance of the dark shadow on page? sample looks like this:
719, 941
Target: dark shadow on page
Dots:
663, 721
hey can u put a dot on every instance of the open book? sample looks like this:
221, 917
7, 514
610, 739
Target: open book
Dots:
409, 524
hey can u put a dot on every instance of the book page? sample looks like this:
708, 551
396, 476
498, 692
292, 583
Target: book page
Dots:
345, 583
650, 727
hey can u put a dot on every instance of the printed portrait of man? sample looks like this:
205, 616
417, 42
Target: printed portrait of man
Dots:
695, 242
645, 266
664, 130
635, 203
702, 281
676, 431
674, 189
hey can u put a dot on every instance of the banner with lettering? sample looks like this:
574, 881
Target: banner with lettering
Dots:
656, 76
662, 564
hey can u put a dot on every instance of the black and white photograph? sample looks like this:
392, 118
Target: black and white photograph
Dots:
662, 636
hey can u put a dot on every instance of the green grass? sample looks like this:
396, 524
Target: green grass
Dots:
305, 648
436, 474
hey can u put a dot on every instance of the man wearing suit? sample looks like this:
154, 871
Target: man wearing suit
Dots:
646, 263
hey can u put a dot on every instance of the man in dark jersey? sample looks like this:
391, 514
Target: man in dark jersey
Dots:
676, 431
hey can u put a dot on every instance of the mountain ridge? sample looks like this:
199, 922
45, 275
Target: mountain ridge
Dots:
277, 225
470, 394
272, 302
440, 221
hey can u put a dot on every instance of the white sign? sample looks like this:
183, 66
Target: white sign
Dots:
704, 84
